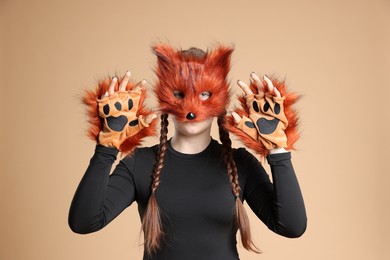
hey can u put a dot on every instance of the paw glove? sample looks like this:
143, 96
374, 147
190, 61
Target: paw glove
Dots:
118, 120
267, 121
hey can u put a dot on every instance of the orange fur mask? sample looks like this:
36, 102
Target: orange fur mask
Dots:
192, 85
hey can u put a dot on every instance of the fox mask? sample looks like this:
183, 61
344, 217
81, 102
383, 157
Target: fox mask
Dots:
192, 85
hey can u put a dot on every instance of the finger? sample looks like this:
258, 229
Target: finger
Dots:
245, 87
259, 84
125, 80
111, 88
150, 118
277, 93
104, 95
270, 86
236, 117
139, 86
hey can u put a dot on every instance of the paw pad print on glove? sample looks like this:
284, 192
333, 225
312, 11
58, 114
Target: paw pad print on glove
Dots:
267, 126
266, 116
119, 110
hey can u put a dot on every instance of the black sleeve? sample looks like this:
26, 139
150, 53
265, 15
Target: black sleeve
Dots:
100, 197
279, 204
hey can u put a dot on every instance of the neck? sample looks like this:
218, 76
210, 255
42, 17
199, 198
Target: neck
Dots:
190, 144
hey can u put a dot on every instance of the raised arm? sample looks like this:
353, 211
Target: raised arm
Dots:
267, 123
118, 123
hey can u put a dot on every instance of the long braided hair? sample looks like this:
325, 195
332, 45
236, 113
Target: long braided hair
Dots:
151, 224
240, 217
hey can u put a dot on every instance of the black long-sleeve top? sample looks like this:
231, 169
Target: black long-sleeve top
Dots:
194, 196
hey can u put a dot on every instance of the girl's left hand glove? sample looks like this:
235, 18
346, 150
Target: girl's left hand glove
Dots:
262, 123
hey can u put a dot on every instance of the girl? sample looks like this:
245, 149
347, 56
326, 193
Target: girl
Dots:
190, 188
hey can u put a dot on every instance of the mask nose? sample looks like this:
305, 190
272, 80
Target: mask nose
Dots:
190, 116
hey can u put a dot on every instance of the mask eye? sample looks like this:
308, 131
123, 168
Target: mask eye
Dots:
204, 95
178, 94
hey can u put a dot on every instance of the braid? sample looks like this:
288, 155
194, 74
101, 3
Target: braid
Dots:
151, 223
161, 152
241, 218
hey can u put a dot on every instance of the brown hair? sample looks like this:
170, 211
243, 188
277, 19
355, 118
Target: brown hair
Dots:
151, 223
240, 217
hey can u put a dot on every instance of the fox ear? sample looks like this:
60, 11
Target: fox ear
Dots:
166, 57
219, 59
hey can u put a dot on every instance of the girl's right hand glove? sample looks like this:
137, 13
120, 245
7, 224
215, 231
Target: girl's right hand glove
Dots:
265, 122
122, 119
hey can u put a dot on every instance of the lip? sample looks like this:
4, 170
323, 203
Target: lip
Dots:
267, 126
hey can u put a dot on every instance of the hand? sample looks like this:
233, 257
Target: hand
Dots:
267, 121
119, 111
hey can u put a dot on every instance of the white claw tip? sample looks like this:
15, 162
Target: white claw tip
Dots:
255, 77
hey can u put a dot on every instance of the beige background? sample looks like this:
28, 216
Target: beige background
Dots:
336, 53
